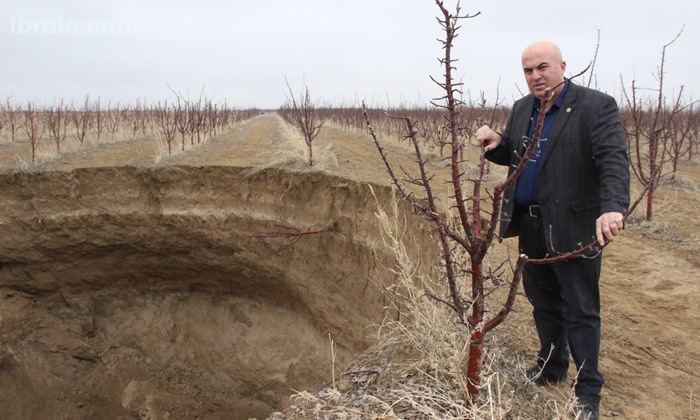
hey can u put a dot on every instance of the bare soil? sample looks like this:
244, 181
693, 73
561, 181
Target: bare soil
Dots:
134, 289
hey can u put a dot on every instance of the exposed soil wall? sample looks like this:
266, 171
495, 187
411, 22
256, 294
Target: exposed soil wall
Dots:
144, 292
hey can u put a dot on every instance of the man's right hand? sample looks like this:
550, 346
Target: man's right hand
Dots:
488, 138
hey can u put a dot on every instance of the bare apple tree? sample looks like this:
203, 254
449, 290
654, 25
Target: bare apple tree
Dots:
12, 115
55, 119
33, 127
167, 121
114, 119
182, 120
463, 230
82, 119
303, 114
99, 119
650, 127
681, 143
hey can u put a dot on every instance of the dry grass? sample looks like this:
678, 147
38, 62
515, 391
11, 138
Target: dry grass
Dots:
46, 151
673, 197
161, 156
26, 166
287, 149
416, 369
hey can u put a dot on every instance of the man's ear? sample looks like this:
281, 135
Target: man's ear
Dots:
563, 67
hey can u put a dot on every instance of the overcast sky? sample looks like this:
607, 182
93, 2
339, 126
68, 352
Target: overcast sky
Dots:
343, 50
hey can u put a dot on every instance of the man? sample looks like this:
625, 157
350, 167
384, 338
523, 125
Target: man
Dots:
574, 189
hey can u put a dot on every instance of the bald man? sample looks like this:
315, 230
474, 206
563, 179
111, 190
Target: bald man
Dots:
574, 189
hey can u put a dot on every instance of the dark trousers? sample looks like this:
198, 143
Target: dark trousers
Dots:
566, 306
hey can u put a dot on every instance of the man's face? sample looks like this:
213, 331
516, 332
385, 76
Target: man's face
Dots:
543, 68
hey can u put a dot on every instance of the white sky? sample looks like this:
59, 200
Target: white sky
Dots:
344, 50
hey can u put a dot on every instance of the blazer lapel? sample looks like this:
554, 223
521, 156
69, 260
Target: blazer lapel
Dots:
521, 125
567, 107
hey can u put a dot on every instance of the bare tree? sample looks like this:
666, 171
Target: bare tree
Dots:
197, 121
303, 115
680, 143
33, 128
113, 119
137, 118
81, 120
212, 117
12, 115
55, 119
168, 126
464, 228
99, 119
649, 125
182, 120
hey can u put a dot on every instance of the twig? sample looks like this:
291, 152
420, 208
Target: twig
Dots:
294, 236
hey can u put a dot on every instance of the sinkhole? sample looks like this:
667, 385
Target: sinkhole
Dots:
160, 293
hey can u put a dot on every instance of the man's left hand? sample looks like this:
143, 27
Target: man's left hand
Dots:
608, 226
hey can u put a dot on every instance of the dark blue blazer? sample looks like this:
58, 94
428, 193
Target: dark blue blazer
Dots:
584, 170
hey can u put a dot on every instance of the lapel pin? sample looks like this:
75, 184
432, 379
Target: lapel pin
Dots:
568, 109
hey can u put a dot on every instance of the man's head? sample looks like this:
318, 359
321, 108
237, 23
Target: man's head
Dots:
543, 67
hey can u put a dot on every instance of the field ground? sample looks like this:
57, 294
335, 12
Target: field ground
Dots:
650, 284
